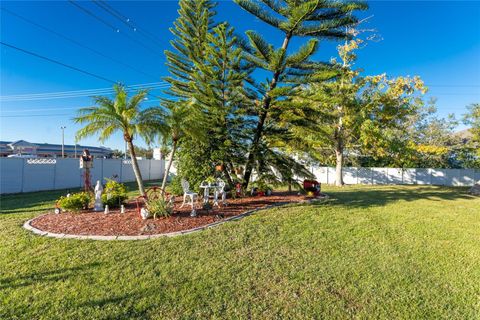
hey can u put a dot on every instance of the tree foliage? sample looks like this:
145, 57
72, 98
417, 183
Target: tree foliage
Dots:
122, 114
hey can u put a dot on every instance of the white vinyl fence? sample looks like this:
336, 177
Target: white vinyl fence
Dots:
27, 175
427, 176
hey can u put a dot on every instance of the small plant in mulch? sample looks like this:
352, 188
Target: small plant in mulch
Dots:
75, 202
114, 194
160, 207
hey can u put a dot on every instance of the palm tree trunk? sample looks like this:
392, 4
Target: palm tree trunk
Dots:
136, 169
167, 170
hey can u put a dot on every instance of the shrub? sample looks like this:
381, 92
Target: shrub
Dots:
114, 194
160, 207
75, 202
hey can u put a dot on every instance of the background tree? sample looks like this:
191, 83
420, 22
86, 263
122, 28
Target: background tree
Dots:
352, 113
119, 114
472, 119
312, 19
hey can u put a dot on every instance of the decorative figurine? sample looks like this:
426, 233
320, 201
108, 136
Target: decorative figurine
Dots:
86, 163
144, 213
98, 197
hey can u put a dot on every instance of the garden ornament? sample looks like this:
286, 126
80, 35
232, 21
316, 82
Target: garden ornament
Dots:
144, 213
98, 197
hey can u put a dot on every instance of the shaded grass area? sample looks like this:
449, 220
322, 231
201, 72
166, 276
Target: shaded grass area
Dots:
371, 252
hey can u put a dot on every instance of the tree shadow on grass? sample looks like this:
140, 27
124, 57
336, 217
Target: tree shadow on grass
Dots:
380, 196
46, 276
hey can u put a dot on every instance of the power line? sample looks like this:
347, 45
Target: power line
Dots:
454, 85
77, 43
67, 96
85, 91
36, 115
55, 109
88, 12
125, 20
57, 62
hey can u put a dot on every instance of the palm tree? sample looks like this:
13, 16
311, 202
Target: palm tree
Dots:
172, 124
108, 116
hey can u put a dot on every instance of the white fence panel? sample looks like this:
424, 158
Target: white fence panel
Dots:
409, 176
26, 175
350, 175
38, 175
156, 169
67, 174
380, 175
144, 166
96, 173
127, 171
364, 176
112, 169
477, 176
331, 175
439, 177
11, 175
423, 176
394, 175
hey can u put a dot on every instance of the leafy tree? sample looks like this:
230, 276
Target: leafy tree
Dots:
309, 18
353, 113
472, 119
146, 153
119, 114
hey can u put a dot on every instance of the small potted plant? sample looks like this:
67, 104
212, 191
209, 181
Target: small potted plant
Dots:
210, 180
263, 189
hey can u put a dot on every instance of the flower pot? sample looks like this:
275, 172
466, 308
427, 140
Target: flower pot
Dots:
219, 167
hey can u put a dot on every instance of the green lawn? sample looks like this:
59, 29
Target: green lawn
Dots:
372, 252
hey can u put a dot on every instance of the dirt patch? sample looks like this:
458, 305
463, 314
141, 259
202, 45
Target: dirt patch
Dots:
131, 224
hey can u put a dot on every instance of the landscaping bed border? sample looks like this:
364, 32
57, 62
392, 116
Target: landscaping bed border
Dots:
27, 225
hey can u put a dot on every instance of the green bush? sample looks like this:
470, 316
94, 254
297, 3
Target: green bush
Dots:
114, 194
160, 207
75, 202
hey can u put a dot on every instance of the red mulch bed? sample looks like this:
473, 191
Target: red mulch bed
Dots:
130, 223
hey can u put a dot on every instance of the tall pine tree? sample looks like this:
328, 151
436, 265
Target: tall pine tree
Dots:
313, 19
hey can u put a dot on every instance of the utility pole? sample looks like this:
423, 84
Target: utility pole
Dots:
63, 141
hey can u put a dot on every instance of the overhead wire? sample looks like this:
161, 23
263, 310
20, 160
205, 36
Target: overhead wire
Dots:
85, 91
117, 30
77, 43
57, 62
76, 95
126, 21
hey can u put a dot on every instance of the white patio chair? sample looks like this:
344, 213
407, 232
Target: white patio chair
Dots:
188, 194
220, 191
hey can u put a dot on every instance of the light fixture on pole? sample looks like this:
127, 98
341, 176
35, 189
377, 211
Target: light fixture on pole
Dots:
63, 141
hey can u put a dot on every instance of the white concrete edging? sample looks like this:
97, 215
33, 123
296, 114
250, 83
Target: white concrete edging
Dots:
27, 225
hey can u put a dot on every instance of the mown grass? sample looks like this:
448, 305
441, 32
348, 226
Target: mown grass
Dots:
386, 252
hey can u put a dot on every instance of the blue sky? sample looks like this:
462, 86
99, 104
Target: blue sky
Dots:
437, 40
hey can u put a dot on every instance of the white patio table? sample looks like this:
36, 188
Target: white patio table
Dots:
207, 188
